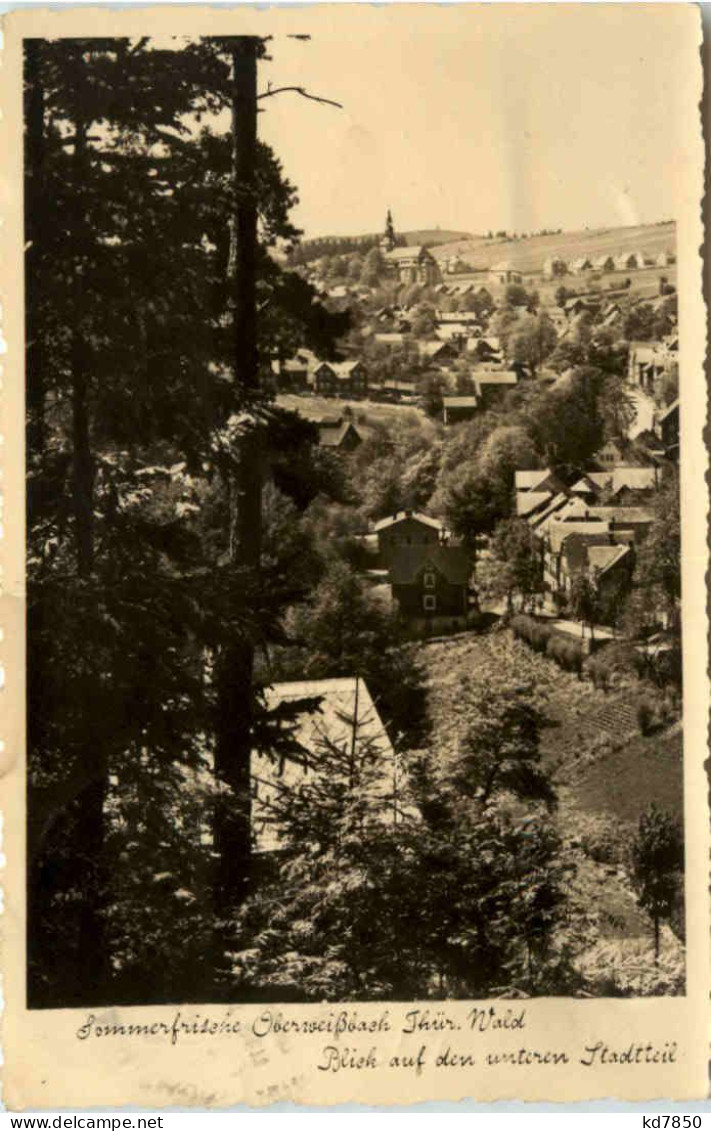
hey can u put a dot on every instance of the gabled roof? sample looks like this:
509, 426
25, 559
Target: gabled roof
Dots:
529, 480
603, 558
431, 349
408, 562
344, 369
330, 437
401, 516
575, 509
585, 485
636, 478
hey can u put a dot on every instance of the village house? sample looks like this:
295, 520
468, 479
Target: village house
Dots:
554, 574
614, 453
466, 317
539, 479
633, 521
666, 427
486, 350
454, 332
554, 267
393, 389
539, 519
339, 435
490, 382
441, 354
458, 408
337, 714
340, 379
576, 306
407, 528
582, 263
430, 581
606, 562
504, 273
529, 503
628, 261
412, 265
391, 340
291, 375
649, 362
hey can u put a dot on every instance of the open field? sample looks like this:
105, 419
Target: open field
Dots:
364, 411
529, 255
602, 792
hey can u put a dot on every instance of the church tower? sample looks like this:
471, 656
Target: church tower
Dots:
387, 240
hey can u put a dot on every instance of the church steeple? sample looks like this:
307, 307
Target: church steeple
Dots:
387, 240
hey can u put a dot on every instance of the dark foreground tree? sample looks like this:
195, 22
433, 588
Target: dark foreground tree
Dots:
658, 866
385, 887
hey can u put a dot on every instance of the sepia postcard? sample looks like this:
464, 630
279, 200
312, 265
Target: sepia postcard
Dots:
354, 617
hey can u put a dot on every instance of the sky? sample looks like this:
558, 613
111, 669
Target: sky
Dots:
482, 117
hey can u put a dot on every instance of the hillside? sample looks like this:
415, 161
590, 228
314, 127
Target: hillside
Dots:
437, 237
529, 255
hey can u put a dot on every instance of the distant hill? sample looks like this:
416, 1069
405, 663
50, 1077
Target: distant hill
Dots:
434, 237
529, 255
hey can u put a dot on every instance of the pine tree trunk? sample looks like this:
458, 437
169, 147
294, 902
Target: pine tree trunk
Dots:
35, 215
236, 663
90, 825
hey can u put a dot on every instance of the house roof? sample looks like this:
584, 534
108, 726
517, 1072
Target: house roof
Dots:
400, 253
529, 480
344, 369
495, 377
431, 349
401, 516
460, 402
529, 501
636, 478
331, 721
603, 558
674, 407
540, 521
559, 531
634, 515
390, 339
576, 509
451, 330
585, 485
330, 437
408, 561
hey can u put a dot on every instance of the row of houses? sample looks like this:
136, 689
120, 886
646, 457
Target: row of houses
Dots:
555, 267
593, 527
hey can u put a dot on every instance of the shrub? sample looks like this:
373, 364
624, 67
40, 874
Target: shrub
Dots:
645, 717
536, 633
600, 671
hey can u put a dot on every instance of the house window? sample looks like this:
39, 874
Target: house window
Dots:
429, 603
429, 580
